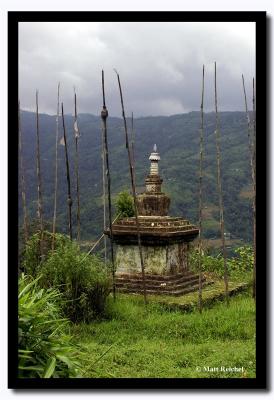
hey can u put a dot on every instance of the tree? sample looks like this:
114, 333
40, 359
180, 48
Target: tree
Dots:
124, 204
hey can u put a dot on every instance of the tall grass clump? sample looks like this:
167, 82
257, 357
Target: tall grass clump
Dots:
82, 279
45, 348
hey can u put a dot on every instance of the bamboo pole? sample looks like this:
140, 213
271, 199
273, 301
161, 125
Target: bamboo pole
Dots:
249, 131
252, 151
104, 115
133, 191
56, 169
39, 180
23, 183
132, 145
254, 190
219, 183
69, 200
200, 193
104, 193
76, 136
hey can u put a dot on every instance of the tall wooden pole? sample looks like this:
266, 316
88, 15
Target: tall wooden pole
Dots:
104, 115
219, 183
23, 184
56, 169
249, 131
254, 190
39, 180
104, 195
133, 192
132, 145
200, 193
76, 136
252, 152
104, 192
69, 200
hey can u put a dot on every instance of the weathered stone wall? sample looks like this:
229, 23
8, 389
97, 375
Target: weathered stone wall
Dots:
156, 204
165, 260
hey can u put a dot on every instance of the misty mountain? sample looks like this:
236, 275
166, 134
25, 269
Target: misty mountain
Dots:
177, 139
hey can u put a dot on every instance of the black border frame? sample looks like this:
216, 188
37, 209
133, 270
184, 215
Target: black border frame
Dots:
14, 17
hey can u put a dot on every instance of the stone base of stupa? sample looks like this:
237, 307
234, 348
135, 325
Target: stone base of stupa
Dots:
168, 259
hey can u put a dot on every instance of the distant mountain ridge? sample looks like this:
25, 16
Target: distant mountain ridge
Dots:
177, 139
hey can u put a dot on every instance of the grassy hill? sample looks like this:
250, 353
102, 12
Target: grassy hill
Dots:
177, 139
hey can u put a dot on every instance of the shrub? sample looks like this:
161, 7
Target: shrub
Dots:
83, 280
45, 349
208, 263
243, 262
32, 259
237, 266
125, 205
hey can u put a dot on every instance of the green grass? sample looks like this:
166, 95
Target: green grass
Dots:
154, 342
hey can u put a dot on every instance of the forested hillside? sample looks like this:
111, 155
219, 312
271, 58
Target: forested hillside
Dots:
177, 139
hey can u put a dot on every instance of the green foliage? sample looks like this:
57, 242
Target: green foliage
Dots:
239, 265
82, 279
208, 263
125, 205
32, 254
33, 227
45, 348
243, 262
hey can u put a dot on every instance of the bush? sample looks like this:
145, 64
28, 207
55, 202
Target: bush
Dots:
82, 279
243, 262
238, 266
208, 263
45, 349
125, 205
32, 259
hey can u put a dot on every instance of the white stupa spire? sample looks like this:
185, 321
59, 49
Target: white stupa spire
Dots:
154, 158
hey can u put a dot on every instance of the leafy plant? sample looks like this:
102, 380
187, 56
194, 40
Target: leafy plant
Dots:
208, 263
243, 262
124, 205
32, 259
239, 265
45, 348
82, 279
33, 228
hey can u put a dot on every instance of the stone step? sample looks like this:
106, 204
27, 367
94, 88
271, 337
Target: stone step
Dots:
158, 285
190, 289
180, 280
175, 292
161, 278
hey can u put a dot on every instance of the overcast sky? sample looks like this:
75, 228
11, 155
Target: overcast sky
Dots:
160, 65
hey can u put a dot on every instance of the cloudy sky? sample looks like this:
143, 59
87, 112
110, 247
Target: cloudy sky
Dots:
160, 65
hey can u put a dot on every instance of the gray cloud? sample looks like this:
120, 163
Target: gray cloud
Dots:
160, 65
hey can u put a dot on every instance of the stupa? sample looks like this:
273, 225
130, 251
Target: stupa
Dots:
164, 239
